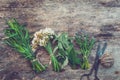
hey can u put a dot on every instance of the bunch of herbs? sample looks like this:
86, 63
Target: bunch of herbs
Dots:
18, 37
85, 43
52, 50
67, 51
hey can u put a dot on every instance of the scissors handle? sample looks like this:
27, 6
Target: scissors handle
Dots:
88, 77
96, 78
85, 75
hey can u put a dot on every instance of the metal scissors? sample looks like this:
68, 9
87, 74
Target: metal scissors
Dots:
95, 66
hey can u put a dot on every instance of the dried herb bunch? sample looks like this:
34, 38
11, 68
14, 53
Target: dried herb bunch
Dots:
18, 38
85, 43
44, 39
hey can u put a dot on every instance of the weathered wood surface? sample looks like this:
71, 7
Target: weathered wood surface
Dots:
101, 17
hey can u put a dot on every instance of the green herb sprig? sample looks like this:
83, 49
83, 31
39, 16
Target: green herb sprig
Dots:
18, 38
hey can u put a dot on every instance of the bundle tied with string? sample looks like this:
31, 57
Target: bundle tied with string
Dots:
43, 39
18, 38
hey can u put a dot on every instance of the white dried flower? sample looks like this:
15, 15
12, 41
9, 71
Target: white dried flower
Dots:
41, 37
48, 31
35, 40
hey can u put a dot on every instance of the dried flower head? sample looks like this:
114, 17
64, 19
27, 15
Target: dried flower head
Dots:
41, 37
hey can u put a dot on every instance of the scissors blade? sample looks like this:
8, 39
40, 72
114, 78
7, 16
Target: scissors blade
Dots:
98, 49
103, 49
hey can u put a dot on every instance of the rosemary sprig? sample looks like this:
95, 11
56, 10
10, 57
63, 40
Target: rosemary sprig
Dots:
18, 38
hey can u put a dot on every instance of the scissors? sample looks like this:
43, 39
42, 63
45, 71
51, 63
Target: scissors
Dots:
95, 66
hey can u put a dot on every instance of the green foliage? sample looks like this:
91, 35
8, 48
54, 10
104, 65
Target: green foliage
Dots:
66, 50
18, 38
61, 48
55, 64
85, 44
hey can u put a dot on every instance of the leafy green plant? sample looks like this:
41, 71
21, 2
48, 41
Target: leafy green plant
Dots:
66, 50
85, 44
18, 38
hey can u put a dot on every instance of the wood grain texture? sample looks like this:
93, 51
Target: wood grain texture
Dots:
100, 17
